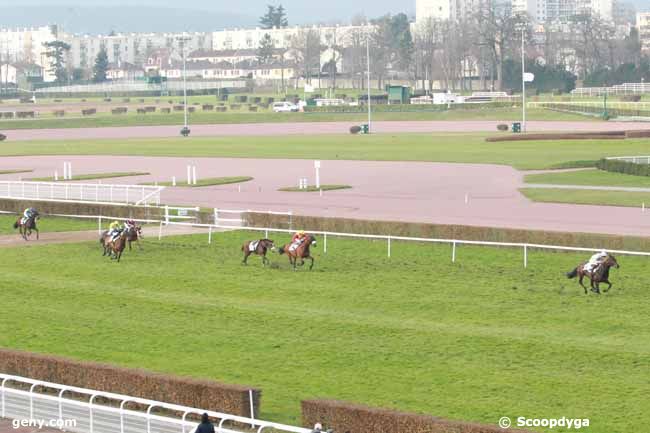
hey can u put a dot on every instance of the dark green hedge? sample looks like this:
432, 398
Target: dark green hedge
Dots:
625, 167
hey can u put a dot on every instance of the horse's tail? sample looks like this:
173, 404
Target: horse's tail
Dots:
572, 274
16, 225
281, 250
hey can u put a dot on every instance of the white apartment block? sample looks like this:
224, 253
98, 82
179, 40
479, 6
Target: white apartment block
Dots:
133, 47
26, 44
249, 39
426, 10
542, 11
643, 25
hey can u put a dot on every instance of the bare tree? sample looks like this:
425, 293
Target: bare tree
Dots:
306, 50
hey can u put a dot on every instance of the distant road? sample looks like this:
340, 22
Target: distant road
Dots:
261, 129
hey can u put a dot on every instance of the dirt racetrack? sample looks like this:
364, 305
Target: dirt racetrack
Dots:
393, 191
307, 128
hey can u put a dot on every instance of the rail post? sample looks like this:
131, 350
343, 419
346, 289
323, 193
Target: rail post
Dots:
325, 242
61, 406
99, 225
160, 231
453, 252
388, 246
210, 236
90, 412
525, 255
250, 399
2, 388
31, 402
151, 406
122, 415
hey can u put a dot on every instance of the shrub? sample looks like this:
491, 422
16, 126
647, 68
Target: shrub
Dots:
141, 111
166, 110
618, 166
107, 99
355, 129
25, 114
191, 109
141, 101
502, 127
3, 137
58, 100
179, 107
235, 106
119, 110
631, 98
126, 100
205, 394
222, 109
84, 100
348, 417
150, 109
252, 109
89, 111
256, 100
270, 100
8, 115
26, 101
58, 113
241, 99
170, 102
207, 107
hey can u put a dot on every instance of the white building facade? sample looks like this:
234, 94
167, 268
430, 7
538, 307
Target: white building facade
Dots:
543, 11
643, 26
26, 44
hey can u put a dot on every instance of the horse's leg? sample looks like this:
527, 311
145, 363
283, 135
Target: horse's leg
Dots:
246, 254
129, 245
582, 277
312, 263
609, 286
37, 234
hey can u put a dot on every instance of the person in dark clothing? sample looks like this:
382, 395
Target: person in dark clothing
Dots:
205, 426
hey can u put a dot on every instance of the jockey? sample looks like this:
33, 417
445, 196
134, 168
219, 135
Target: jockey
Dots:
114, 230
29, 213
297, 239
595, 261
129, 224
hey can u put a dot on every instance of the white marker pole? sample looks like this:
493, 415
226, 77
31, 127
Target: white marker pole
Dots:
189, 175
56, 175
69, 171
317, 167
194, 175
173, 180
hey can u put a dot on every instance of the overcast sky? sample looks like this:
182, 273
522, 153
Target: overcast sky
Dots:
300, 11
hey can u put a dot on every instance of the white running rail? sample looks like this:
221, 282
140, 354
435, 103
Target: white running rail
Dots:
634, 159
82, 192
24, 399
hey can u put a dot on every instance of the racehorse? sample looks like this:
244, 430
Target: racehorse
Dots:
114, 248
25, 229
301, 252
597, 276
134, 236
259, 248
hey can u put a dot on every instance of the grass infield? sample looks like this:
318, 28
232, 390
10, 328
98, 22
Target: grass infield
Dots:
211, 181
590, 197
441, 147
593, 177
313, 188
92, 176
15, 171
475, 340
48, 224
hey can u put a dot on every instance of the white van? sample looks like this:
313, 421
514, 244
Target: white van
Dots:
284, 107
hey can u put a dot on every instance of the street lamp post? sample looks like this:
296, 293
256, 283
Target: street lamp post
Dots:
186, 130
523, 82
368, 61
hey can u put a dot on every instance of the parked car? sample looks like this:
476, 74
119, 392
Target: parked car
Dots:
285, 107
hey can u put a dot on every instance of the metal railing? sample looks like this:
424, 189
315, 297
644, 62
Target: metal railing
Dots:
633, 159
235, 218
124, 87
81, 192
92, 416
620, 89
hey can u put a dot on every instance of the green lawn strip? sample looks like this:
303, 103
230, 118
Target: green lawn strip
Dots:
153, 119
313, 188
210, 181
592, 197
440, 147
15, 171
49, 224
407, 332
590, 177
93, 176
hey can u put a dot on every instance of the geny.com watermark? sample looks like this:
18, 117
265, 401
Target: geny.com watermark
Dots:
57, 423
551, 423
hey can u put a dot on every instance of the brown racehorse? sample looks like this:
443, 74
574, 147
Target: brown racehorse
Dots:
25, 229
597, 276
114, 248
302, 252
134, 236
259, 247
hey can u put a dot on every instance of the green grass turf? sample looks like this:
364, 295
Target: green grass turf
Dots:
590, 177
15, 171
475, 340
48, 224
594, 197
313, 188
93, 176
457, 147
209, 181
202, 118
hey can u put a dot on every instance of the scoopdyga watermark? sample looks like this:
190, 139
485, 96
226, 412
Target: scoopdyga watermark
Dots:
56, 423
550, 423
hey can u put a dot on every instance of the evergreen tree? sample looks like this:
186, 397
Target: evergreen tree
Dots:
101, 66
56, 54
274, 17
266, 49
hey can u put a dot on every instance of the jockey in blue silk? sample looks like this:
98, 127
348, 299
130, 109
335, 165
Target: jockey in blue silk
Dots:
114, 230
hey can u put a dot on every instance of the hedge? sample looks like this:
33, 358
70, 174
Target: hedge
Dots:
166, 110
119, 110
58, 113
626, 167
3, 137
353, 418
202, 394
8, 115
207, 107
89, 111
25, 114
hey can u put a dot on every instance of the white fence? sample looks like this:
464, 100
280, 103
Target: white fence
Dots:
634, 159
81, 192
235, 218
389, 239
620, 89
141, 86
90, 416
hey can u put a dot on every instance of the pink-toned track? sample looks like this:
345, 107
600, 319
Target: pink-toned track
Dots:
398, 191
307, 128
